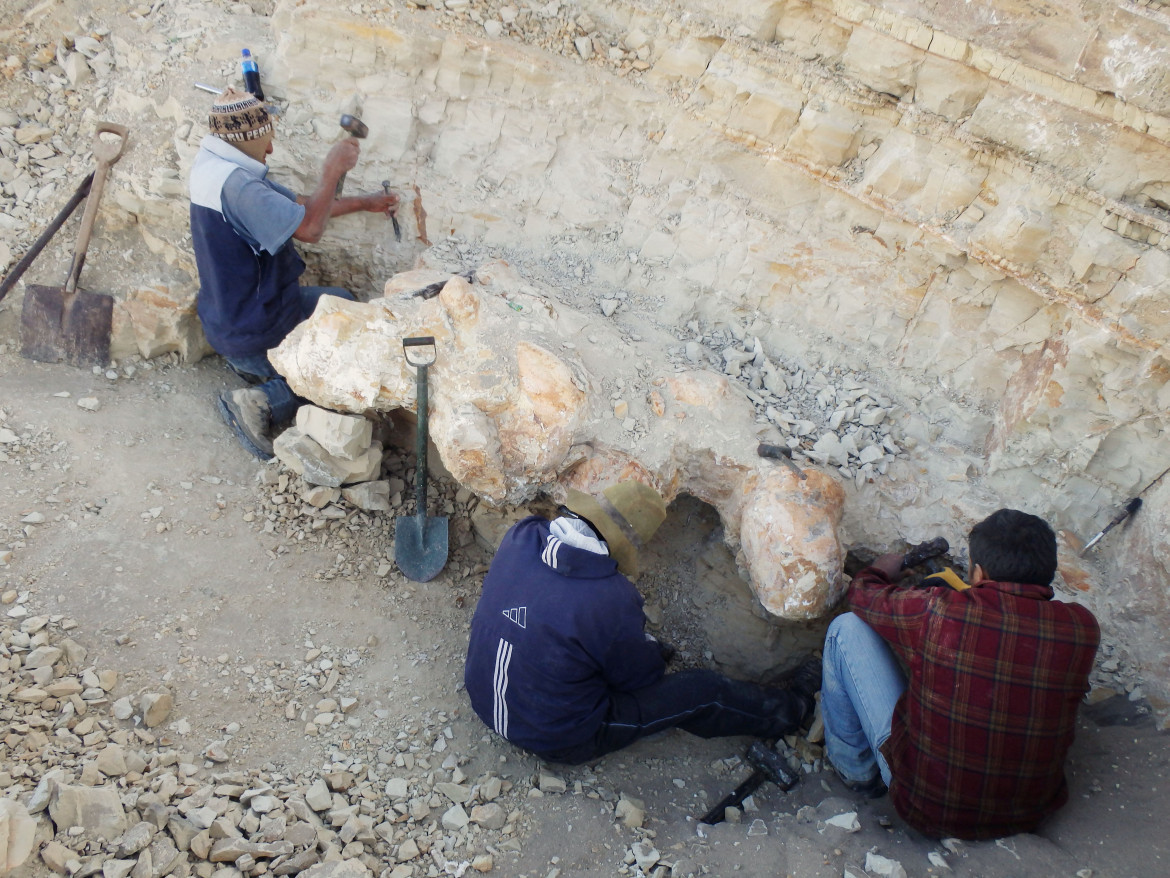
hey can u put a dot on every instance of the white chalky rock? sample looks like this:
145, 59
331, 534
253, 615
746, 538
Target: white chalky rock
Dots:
646, 856
76, 69
369, 496
156, 707
630, 812
97, 810
317, 466
883, 866
17, 834
489, 816
111, 761
318, 796
407, 851
337, 869
789, 541
342, 435
455, 818
42, 657
455, 792
551, 783
847, 821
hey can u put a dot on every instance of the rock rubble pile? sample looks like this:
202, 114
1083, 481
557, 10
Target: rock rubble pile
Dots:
827, 416
556, 27
97, 783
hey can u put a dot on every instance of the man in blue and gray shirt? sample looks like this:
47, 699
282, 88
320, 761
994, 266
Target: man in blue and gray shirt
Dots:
242, 229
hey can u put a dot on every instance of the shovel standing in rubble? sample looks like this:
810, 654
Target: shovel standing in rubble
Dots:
242, 228
420, 540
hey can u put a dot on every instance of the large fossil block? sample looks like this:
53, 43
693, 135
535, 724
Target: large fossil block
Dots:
527, 396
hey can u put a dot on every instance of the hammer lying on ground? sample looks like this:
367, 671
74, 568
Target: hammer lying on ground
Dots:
356, 128
766, 765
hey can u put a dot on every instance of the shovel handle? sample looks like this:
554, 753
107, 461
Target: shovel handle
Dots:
106, 153
419, 358
420, 440
109, 151
39, 244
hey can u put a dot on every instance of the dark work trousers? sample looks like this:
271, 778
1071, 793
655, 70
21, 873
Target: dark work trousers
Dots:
255, 368
704, 703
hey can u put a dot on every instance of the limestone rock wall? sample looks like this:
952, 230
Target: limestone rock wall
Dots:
969, 201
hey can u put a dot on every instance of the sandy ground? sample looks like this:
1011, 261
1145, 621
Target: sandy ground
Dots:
146, 544
173, 588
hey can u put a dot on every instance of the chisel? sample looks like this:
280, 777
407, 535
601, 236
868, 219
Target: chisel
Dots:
1130, 508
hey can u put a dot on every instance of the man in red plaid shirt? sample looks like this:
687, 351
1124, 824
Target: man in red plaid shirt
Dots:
972, 742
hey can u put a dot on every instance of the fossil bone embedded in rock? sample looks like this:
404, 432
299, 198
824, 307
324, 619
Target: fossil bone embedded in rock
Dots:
519, 408
789, 543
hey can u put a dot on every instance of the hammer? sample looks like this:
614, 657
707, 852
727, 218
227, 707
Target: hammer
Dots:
356, 128
766, 765
781, 453
393, 218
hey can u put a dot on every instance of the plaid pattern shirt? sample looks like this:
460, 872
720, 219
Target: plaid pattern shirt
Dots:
978, 739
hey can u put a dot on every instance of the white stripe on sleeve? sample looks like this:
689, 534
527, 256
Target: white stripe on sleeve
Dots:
500, 687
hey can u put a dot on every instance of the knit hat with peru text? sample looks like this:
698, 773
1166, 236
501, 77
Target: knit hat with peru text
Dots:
238, 117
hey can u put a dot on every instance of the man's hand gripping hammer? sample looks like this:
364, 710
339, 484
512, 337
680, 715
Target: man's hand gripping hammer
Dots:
356, 128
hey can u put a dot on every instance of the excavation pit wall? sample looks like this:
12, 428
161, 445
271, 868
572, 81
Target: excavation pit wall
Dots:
975, 221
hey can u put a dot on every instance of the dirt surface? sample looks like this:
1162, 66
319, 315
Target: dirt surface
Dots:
144, 545
139, 522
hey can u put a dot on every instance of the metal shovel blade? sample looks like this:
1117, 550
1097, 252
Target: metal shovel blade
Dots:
420, 546
58, 327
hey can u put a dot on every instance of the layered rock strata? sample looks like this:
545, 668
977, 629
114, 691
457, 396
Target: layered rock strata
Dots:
971, 204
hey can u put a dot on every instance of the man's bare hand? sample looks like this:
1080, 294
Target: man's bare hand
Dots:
382, 202
891, 565
342, 156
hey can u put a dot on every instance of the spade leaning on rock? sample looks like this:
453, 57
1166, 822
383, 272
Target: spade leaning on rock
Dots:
242, 230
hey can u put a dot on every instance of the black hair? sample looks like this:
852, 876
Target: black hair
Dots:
1013, 546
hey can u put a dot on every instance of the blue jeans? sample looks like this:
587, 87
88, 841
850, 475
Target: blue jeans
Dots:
862, 683
255, 368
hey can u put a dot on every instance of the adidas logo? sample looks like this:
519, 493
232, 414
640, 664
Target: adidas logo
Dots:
519, 615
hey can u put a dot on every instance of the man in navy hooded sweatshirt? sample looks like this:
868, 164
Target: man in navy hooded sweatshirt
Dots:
559, 662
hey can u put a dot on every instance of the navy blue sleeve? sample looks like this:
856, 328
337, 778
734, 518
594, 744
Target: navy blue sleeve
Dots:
631, 660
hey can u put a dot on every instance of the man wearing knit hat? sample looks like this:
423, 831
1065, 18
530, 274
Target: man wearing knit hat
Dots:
242, 229
559, 662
